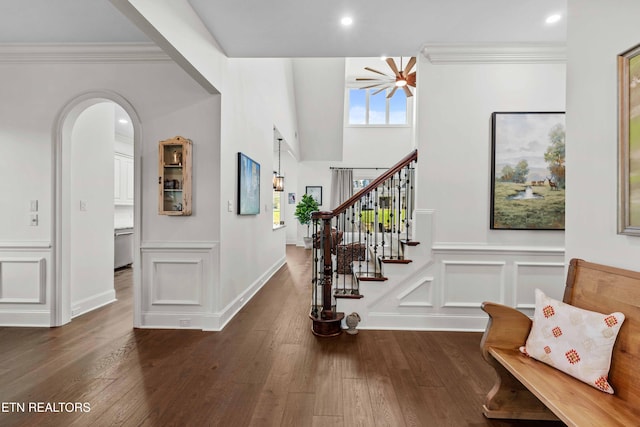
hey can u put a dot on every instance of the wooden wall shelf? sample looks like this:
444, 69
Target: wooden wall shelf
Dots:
174, 180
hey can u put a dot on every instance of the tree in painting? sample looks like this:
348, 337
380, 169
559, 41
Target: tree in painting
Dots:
554, 155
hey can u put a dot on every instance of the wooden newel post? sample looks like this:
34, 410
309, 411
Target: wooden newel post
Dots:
327, 311
328, 324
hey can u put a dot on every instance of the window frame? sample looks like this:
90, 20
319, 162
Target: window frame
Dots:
280, 210
409, 110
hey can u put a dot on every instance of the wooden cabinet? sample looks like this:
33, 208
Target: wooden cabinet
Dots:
174, 182
122, 179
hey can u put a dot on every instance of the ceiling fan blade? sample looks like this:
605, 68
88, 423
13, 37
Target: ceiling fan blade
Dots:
407, 91
375, 85
411, 79
376, 71
361, 79
395, 88
409, 66
393, 67
378, 91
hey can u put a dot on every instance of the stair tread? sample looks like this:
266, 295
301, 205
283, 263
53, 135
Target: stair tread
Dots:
348, 296
371, 277
397, 260
409, 242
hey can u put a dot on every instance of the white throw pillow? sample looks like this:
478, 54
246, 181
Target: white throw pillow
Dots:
576, 341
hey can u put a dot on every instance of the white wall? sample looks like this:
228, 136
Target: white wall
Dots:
464, 262
319, 95
290, 170
254, 101
92, 210
454, 142
376, 146
256, 95
598, 32
200, 123
167, 102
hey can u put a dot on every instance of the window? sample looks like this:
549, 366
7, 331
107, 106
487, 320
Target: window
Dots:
277, 214
366, 107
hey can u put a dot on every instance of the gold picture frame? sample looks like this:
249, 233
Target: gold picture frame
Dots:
629, 142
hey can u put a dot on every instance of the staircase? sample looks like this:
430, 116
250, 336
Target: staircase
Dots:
361, 244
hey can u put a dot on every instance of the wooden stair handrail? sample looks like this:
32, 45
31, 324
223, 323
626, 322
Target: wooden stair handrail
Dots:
411, 157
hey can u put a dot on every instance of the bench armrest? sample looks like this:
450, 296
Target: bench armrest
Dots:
508, 328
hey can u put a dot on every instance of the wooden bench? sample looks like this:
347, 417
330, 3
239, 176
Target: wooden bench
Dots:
529, 389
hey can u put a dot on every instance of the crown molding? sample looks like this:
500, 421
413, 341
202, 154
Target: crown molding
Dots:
82, 53
496, 54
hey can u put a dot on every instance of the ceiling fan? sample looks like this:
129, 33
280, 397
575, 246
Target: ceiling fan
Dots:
402, 78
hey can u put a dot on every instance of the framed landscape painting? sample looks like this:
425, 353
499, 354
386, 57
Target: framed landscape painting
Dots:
629, 142
248, 186
527, 171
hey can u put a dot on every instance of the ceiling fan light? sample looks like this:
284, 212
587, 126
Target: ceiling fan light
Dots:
401, 83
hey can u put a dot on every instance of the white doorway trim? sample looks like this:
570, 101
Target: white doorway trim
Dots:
61, 231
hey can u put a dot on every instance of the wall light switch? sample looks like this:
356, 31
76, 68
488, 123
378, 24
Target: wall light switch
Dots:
34, 206
33, 221
83, 205
230, 206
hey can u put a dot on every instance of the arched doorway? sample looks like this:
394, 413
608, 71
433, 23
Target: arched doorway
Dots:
68, 261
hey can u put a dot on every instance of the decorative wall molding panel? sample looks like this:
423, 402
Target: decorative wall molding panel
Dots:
83, 53
25, 245
25, 283
446, 284
177, 282
472, 249
419, 294
527, 276
495, 54
23, 280
466, 284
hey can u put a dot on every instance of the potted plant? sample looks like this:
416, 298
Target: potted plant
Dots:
304, 208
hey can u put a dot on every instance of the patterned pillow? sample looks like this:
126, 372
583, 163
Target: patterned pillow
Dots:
576, 341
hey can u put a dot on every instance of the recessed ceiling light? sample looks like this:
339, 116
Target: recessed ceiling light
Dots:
123, 121
346, 21
552, 19
383, 58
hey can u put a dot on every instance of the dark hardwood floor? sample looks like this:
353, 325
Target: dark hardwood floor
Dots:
264, 369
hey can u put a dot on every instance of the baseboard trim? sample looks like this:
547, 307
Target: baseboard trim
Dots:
217, 321
25, 318
415, 322
92, 303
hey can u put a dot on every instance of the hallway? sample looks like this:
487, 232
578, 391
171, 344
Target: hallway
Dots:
264, 368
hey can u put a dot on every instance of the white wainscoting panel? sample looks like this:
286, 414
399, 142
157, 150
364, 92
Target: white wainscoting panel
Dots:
467, 284
445, 285
25, 283
420, 294
546, 276
22, 280
176, 282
